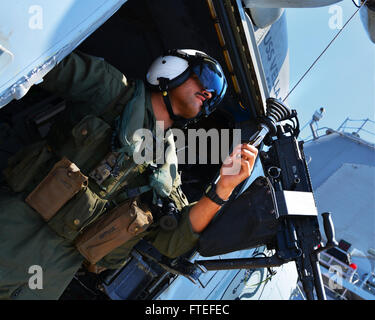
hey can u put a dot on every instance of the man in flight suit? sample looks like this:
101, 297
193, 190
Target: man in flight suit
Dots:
104, 110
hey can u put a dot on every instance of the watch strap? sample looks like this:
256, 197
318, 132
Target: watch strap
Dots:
212, 195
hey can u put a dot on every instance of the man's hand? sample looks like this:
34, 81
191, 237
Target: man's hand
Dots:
235, 169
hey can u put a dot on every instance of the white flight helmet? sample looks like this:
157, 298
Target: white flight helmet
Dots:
176, 66
167, 67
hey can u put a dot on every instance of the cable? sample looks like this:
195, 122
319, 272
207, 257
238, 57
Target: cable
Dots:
329, 44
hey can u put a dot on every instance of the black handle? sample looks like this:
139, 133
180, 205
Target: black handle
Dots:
329, 230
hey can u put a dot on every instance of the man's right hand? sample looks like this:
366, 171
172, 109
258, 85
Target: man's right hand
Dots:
235, 169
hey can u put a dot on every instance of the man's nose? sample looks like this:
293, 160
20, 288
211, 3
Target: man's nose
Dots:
207, 94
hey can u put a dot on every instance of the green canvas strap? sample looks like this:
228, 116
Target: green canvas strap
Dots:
130, 193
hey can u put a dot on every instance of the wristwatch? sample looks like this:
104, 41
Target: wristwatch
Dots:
210, 193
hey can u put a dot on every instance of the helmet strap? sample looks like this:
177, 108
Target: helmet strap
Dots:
167, 102
178, 122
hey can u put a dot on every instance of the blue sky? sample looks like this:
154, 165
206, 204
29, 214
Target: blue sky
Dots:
343, 80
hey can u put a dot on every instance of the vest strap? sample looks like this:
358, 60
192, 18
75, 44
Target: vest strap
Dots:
131, 193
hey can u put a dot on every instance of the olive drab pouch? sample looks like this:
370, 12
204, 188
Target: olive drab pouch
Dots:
84, 208
112, 230
57, 188
89, 143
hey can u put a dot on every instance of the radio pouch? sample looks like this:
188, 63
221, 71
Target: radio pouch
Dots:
57, 188
112, 230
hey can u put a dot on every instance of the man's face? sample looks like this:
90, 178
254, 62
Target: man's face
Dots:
188, 98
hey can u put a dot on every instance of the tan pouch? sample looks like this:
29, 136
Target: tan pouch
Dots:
57, 188
112, 230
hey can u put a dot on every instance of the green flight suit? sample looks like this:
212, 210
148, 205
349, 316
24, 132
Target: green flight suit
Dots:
92, 88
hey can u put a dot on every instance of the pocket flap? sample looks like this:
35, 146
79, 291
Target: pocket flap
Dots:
89, 129
112, 230
57, 188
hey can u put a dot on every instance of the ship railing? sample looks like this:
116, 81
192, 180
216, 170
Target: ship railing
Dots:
359, 125
362, 131
336, 266
340, 270
337, 269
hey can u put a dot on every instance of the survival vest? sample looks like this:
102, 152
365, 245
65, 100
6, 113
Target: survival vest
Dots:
102, 147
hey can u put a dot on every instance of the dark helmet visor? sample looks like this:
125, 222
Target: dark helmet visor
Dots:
212, 79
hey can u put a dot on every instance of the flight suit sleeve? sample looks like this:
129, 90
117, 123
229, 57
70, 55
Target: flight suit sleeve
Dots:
83, 78
179, 241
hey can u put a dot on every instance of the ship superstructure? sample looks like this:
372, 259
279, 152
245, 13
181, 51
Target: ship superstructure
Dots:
342, 168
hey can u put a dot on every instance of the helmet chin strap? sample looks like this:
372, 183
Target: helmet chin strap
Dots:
167, 102
178, 122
